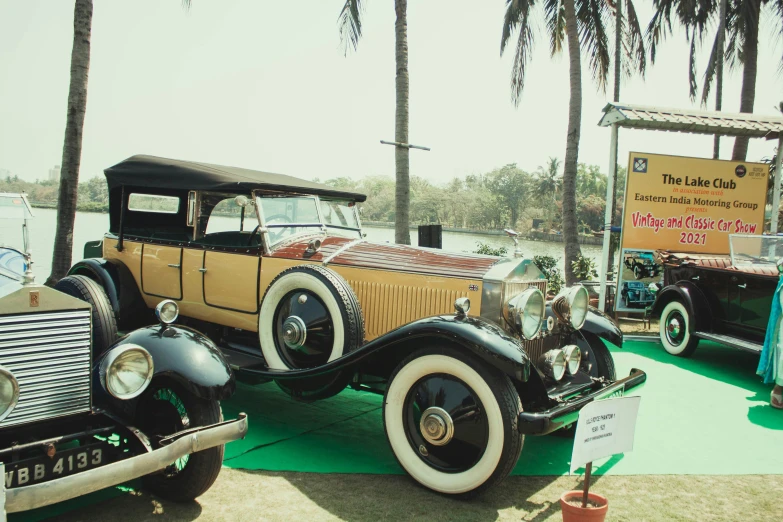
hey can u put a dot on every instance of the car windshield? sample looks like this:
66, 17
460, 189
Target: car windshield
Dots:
14, 211
755, 251
292, 215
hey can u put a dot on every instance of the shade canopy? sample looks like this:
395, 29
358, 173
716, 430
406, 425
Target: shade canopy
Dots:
697, 122
164, 173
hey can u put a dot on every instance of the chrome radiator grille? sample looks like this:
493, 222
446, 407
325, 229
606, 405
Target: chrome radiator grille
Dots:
536, 347
49, 354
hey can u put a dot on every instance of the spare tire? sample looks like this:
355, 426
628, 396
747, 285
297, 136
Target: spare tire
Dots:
309, 316
104, 322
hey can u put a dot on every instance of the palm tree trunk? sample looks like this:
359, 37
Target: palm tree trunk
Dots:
402, 154
570, 234
721, 45
750, 52
72, 147
618, 43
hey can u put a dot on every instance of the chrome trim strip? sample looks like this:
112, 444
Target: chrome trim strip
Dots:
341, 250
58, 490
29, 318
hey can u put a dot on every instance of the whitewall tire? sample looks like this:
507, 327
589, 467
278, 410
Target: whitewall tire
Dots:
675, 330
451, 421
309, 316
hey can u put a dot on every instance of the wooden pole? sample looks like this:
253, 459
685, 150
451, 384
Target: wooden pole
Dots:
588, 469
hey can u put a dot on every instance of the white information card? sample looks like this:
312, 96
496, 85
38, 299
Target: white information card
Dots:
604, 428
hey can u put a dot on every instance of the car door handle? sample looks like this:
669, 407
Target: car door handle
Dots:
695, 278
174, 266
743, 285
202, 270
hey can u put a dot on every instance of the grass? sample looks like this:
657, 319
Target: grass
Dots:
244, 496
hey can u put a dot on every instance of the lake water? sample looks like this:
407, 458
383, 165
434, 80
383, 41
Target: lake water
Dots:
91, 226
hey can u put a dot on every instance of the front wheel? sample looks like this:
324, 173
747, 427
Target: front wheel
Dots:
166, 409
451, 421
675, 330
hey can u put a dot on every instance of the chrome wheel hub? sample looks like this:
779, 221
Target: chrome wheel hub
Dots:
674, 328
436, 426
294, 332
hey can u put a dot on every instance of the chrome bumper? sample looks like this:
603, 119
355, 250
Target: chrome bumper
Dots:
567, 413
185, 443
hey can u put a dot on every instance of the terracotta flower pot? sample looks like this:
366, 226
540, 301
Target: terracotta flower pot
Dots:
576, 513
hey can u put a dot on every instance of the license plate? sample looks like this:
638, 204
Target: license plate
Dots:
64, 463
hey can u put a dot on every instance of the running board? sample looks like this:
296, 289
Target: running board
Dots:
237, 357
734, 342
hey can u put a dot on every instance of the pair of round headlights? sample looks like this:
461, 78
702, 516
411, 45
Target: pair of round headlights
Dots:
556, 363
127, 371
526, 310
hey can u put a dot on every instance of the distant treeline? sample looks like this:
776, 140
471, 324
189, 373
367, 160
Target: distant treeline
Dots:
505, 197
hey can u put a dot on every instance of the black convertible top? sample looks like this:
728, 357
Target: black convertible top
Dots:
164, 173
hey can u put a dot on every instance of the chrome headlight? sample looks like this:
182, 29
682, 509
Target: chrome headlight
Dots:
553, 364
167, 311
9, 393
525, 312
570, 306
573, 358
126, 371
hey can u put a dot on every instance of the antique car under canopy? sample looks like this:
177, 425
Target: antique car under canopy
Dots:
82, 409
721, 298
277, 271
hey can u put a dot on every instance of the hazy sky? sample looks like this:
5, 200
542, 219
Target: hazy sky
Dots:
265, 85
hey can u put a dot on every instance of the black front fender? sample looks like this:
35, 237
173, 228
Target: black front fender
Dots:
478, 336
601, 325
184, 356
691, 297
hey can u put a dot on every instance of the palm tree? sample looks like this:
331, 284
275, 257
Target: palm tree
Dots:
577, 22
741, 48
350, 22
72, 147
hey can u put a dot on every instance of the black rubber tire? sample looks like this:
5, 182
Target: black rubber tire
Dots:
104, 322
689, 343
638, 272
202, 468
334, 288
603, 361
505, 397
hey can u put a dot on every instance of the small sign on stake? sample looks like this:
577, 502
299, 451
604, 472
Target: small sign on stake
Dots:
605, 428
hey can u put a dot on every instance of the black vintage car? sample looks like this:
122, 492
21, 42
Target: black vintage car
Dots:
642, 265
635, 294
82, 410
720, 298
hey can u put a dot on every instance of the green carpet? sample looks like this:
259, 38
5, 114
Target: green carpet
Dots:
705, 415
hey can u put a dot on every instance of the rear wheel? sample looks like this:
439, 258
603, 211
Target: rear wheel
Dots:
104, 322
166, 409
675, 330
451, 421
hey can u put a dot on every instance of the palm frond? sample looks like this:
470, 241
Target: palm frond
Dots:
517, 17
734, 37
777, 9
709, 74
186, 4
660, 25
591, 17
635, 40
692, 66
350, 23
554, 13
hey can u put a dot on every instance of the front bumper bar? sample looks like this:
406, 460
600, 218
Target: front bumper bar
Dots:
191, 441
567, 413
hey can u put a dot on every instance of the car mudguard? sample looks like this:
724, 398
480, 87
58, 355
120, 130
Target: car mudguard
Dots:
601, 325
485, 340
691, 297
184, 356
120, 287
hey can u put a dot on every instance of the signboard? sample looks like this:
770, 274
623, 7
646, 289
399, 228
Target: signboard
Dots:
605, 428
683, 205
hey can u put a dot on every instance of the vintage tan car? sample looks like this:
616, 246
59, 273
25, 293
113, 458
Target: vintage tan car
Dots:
276, 270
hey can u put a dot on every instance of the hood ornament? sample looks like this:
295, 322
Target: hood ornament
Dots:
515, 238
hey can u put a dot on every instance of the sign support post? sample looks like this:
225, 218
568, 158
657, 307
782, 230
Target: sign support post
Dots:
608, 218
773, 224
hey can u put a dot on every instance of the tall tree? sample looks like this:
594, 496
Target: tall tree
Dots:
580, 25
72, 147
350, 22
741, 24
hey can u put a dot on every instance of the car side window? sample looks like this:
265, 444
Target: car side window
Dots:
228, 221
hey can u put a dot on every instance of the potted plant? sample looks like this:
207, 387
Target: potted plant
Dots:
583, 506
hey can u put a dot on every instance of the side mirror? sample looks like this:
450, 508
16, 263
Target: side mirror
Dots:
241, 201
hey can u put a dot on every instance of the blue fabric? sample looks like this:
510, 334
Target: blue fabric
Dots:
767, 362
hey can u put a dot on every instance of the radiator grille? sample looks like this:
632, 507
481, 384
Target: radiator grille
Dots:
387, 306
536, 347
49, 354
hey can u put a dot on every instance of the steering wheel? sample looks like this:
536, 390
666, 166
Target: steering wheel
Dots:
274, 234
